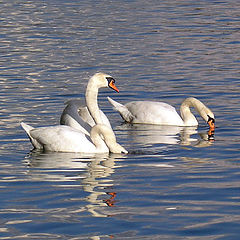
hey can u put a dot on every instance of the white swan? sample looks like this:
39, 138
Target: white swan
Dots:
148, 112
79, 116
67, 139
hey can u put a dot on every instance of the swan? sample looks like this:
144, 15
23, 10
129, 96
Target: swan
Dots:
79, 116
67, 139
148, 112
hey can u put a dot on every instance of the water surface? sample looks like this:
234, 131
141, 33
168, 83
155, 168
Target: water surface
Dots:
174, 183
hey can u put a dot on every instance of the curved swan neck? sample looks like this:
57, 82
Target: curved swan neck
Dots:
91, 101
97, 140
188, 117
109, 138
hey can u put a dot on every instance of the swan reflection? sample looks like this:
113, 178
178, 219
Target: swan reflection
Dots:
155, 134
90, 172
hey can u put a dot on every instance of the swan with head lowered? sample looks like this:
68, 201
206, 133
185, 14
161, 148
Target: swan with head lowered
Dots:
69, 139
84, 116
149, 112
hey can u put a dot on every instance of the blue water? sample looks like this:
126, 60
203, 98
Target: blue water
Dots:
173, 184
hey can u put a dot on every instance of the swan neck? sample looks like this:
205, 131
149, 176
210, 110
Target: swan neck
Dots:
97, 140
91, 101
100, 132
186, 114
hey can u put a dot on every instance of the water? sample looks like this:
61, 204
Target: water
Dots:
173, 184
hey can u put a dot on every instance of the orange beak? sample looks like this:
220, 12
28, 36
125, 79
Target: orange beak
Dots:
211, 125
113, 86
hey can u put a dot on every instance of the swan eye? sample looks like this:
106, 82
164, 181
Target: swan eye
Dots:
211, 119
111, 83
110, 79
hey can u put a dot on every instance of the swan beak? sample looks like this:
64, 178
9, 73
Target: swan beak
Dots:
211, 135
211, 124
111, 84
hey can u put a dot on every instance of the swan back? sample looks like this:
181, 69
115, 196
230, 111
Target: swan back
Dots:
148, 112
71, 117
59, 139
76, 115
154, 113
66, 139
86, 116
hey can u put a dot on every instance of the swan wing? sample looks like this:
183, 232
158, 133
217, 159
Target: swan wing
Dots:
76, 115
86, 117
76, 123
62, 139
154, 113
148, 112
71, 117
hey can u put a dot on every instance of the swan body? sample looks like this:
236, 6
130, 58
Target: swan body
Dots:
149, 112
84, 116
67, 139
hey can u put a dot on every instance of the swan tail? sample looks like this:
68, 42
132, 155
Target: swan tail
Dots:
28, 129
123, 110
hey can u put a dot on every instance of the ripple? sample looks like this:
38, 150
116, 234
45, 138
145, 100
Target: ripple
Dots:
174, 183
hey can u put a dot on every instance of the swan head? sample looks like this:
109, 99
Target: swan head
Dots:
208, 116
117, 148
101, 80
203, 110
211, 123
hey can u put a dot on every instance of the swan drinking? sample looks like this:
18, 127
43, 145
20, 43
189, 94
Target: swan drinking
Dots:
149, 112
